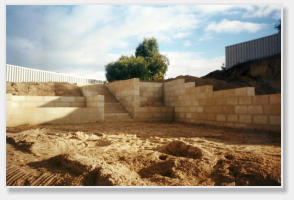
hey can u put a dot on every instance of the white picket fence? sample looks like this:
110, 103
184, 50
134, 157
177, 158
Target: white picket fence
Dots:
23, 74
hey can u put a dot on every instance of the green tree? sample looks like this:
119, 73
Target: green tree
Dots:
147, 64
126, 68
156, 63
148, 48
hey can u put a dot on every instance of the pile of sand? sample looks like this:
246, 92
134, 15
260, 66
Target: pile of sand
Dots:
43, 89
141, 154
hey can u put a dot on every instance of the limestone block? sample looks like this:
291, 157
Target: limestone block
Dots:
232, 100
205, 116
8, 96
260, 119
255, 109
78, 104
80, 99
245, 118
189, 85
12, 104
202, 102
261, 99
206, 88
217, 94
245, 91
195, 103
275, 119
220, 101
196, 116
18, 98
67, 99
213, 109
240, 109
154, 109
275, 99
50, 98
199, 109
189, 115
228, 109
272, 109
245, 100
241, 125
179, 109
220, 117
232, 118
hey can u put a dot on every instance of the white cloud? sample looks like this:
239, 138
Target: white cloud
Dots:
190, 63
234, 26
187, 43
262, 11
246, 11
205, 37
85, 36
214, 9
181, 34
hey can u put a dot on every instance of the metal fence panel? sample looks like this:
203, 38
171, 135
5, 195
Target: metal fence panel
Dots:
23, 74
253, 49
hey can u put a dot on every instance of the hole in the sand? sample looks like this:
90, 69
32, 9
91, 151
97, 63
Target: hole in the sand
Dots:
103, 142
168, 174
122, 158
163, 157
179, 148
165, 168
98, 134
229, 156
94, 178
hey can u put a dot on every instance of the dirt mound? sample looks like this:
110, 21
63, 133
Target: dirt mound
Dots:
179, 148
217, 84
164, 168
263, 74
43, 89
110, 175
245, 171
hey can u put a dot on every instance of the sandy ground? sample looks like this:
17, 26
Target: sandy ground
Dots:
43, 89
141, 154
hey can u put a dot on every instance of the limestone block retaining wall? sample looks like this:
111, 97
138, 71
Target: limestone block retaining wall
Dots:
237, 108
158, 113
92, 90
20, 112
133, 94
45, 101
127, 93
151, 93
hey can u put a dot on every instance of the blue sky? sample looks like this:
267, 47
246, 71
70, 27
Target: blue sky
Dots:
82, 39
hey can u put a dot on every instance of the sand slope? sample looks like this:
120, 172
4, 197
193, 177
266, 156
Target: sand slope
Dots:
43, 89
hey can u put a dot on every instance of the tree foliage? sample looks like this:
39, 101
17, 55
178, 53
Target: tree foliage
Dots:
126, 68
148, 48
147, 64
